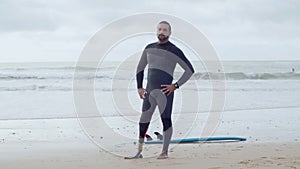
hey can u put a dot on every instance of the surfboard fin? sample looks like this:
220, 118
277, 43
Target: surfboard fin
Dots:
149, 138
159, 136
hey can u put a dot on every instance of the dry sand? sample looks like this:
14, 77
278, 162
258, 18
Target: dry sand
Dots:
238, 155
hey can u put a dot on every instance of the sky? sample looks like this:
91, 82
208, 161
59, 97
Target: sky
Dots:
57, 30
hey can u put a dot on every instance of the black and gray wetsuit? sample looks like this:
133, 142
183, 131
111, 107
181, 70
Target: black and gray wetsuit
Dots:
161, 60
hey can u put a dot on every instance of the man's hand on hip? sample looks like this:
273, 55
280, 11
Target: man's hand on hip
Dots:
168, 89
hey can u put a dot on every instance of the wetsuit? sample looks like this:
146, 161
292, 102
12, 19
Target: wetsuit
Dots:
161, 60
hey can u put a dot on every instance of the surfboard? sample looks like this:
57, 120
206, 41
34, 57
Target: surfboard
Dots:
187, 140
192, 140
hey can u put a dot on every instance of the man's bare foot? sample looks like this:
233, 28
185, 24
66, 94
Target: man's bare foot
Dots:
163, 155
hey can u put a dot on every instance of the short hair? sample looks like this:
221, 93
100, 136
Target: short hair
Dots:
167, 23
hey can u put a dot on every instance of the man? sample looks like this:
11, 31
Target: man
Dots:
161, 58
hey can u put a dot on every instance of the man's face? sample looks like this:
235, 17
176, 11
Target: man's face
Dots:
163, 32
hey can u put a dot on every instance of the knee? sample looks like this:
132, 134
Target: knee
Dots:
145, 117
167, 123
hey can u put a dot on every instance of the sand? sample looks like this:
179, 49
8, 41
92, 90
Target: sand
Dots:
61, 144
231, 155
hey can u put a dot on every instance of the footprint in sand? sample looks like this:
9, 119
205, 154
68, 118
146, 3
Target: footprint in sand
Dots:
279, 158
245, 162
236, 149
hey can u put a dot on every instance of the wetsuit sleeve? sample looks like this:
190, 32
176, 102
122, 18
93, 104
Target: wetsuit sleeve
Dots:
140, 69
187, 67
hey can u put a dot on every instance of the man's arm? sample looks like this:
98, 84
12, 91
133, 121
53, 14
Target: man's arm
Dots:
140, 74
188, 72
187, 67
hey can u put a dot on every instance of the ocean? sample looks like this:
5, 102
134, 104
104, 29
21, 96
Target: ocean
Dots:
58, 76
259, 95
278, 81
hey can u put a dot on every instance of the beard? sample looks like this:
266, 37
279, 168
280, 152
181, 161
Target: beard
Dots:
162, 37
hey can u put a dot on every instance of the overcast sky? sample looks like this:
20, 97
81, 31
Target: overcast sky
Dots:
57, 30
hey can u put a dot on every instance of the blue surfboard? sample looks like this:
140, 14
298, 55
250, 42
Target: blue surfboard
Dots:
192, 140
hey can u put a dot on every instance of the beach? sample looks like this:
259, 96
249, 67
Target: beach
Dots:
210, 156
83, 154
40, 126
